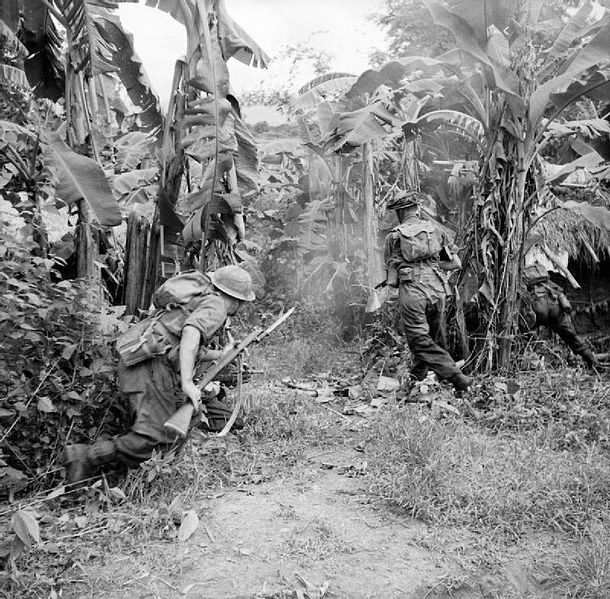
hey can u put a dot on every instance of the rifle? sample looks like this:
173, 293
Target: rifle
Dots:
179, 423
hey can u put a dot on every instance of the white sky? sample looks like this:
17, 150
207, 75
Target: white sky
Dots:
339, 27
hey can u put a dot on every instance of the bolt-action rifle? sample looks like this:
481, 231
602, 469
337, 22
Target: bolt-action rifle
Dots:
179, 423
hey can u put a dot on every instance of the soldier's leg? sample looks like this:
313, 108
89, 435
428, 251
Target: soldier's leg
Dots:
563, 325
413, 305
153, 397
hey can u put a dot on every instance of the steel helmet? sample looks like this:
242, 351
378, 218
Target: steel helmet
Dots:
233, 281
405, 199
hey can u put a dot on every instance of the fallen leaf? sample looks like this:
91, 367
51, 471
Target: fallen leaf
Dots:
386, 383
46, 405
189, 525
56, 493
26, 527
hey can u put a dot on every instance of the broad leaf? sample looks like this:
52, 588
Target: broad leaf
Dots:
316, 90
125, 62
596, 52
566, 37
80, 178
236, 43
135, 179
361, 126
26, 527
9, 14
246, 159
463, 124
131, 149
467, 38
588, 161
563, 90
497, 47
44, 65
392, 74
482, 14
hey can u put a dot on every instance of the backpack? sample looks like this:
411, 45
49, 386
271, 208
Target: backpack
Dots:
181, 289
151, 337
419, 240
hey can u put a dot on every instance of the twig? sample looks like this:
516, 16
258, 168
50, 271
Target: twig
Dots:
207, 531
27, 405
335, 412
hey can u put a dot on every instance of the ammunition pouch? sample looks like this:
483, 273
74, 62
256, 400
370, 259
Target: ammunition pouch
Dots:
391, 277
142, 341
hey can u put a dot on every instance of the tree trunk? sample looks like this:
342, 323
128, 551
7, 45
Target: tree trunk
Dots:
86, 247
374, 270
138, 229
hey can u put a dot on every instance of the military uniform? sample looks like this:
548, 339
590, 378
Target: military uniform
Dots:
547, 305
157, 383
153, 386
423, 290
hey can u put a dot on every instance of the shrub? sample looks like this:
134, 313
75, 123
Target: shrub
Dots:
56, 367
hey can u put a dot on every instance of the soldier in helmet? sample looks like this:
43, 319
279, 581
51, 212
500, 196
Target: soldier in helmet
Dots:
156, 386
547, 305
416, 253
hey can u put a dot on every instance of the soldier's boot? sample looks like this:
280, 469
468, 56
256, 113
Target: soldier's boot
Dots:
589, 357
460, 381
82, 460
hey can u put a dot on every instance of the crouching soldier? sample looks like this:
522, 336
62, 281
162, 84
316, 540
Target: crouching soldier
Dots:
157, 364
547, 305
416, 253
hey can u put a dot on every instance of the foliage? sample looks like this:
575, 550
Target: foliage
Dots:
58, 380
411, 29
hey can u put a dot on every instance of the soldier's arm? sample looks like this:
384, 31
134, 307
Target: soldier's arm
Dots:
189, 346
449, 259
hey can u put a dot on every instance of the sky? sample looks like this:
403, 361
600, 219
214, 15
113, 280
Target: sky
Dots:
339, 27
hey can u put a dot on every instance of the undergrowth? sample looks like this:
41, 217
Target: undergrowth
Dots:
453, 473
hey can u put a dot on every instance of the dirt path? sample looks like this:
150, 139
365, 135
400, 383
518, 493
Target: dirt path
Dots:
310, 536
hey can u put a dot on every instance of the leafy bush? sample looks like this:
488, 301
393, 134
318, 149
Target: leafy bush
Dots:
56, 366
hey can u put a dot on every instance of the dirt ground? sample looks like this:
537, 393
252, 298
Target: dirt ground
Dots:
285, 510
310, 535
314, 533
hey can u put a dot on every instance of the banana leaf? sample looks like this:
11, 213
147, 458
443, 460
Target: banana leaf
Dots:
81, 178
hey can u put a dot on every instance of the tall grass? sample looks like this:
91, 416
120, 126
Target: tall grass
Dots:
453, 473
583, 571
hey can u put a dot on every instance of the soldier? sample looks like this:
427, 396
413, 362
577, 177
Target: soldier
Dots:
416, 253
546, 305
157, 384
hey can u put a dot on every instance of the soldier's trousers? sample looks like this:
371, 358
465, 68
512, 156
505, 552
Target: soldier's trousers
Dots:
553, 317
153, 388
421, 317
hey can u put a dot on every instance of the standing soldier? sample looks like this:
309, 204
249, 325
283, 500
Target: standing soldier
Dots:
547, 305
416, 253
157, 364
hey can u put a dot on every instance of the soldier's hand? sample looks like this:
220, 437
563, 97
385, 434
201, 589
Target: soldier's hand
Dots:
193, 392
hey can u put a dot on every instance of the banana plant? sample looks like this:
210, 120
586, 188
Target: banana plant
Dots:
205, 132
503, 94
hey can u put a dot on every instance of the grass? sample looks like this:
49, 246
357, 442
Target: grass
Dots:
582, 571
453, 473
533, 463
